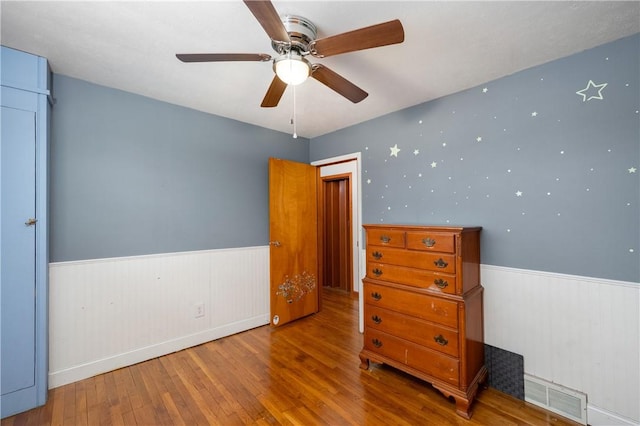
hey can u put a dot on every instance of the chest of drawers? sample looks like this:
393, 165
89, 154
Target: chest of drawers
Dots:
423, 306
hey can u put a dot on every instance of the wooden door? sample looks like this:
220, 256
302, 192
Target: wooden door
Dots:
336, 233
293, 230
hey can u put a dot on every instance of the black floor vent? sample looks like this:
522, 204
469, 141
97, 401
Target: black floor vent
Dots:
506, 371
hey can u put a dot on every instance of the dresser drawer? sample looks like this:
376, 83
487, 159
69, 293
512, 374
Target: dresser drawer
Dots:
423, 306
432, 363
386, 237
420, 278
415, 330
416, 259
431, 241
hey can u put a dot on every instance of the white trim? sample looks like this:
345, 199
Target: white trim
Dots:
150, 256
556, 275
347, 157
598, 417
99, 366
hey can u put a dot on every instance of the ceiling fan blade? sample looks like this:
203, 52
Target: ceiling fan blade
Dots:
268, 17
364, 38
222, 57
274, 93
338, 83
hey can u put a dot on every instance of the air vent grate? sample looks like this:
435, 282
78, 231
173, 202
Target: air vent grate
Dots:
558, 399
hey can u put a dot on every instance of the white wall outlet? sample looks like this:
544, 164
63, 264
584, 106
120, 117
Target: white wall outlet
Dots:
198, 310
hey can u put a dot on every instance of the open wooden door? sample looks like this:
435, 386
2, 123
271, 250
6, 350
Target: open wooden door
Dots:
293, 230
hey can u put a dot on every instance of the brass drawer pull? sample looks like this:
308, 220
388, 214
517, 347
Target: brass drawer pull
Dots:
440, 263
377, 343
441, 340
429, 242
376, 296
441, 283
376, 255
385, 238
377, 272
376, 319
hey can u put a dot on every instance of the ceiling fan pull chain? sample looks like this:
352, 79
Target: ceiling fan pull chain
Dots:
294, 119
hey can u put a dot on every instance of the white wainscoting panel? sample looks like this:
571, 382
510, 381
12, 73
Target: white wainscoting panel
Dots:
108, 313
580, 332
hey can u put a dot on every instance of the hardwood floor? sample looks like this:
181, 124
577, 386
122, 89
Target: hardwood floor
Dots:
304, 373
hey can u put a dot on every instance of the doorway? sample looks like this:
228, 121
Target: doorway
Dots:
336, 168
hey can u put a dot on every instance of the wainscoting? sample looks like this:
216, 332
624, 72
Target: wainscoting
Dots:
108, 313
579, 332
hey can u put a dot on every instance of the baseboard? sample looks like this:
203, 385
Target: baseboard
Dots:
598, 417
83, 371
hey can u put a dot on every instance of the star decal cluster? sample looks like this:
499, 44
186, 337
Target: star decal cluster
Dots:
512, 160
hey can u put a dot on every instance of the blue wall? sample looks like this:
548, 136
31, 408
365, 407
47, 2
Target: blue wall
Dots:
132, 176
545, 161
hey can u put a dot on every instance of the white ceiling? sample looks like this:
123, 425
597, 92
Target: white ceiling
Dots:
448, 47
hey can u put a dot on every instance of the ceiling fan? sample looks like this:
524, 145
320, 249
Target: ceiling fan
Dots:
293, 38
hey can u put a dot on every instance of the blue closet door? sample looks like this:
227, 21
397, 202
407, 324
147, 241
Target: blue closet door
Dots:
18, 154
24, 256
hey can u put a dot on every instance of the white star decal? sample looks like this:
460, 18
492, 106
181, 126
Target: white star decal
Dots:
416, 151
534, 114
590, 85
632, 170
518, 193
434, 165
368, 180
479, 139
394, 150
485, 90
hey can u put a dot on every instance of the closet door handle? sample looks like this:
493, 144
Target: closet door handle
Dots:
31, 221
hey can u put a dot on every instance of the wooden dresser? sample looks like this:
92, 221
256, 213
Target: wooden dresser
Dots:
423, 306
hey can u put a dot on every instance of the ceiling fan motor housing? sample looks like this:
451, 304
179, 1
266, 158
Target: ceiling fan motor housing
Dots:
301, 32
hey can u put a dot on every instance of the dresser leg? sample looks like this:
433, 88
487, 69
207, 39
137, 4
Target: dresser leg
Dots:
364, 362
463, 405
462, 408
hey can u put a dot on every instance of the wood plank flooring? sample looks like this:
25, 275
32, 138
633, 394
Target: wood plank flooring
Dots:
304, 373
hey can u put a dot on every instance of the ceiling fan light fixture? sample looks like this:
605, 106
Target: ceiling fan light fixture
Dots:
292, 68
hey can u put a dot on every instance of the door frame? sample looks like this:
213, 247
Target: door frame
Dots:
350, 164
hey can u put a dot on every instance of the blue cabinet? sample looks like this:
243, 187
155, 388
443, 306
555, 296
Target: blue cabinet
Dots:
24, 128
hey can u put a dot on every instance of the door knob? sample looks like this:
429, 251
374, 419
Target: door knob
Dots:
31, 221
275, 243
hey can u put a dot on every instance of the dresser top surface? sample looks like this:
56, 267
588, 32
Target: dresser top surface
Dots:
407, 227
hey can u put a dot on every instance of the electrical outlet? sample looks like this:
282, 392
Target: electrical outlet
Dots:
199, 310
